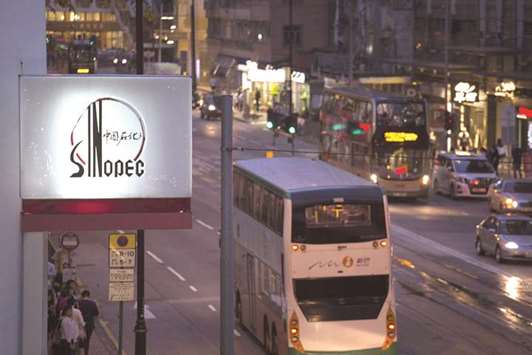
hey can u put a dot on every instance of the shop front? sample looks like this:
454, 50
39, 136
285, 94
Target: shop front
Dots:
264, 87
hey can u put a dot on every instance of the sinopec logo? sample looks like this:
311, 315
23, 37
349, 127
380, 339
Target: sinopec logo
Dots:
108, 140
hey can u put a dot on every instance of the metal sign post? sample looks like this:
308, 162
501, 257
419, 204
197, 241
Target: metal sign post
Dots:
227, 269
122, 262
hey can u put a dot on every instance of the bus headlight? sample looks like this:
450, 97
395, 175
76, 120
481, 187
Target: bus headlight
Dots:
211, 107
425, 180
373, 178
294, 333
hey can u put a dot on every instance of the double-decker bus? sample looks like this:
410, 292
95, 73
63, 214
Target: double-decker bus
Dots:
82, 57
378, 136
312, 258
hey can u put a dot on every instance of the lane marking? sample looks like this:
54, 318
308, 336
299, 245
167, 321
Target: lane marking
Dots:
147, 313
236, 332
193, 288
200, 222
176, 273
155, 257
430, 244
211, 307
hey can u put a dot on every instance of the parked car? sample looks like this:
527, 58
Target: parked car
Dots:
505, 236
462, 175
511, 195
208, 109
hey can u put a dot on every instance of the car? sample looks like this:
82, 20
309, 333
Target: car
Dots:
209, 109
511, 195
462, 175
507, 237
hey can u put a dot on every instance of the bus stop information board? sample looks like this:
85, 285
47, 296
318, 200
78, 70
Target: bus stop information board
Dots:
117, 148
122, 256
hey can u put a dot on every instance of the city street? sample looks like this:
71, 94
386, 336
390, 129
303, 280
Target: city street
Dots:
449, 300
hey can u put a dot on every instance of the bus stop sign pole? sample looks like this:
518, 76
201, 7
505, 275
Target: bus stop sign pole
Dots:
227, 269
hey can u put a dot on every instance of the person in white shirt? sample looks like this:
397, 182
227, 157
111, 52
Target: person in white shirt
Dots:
78, 318
69, 332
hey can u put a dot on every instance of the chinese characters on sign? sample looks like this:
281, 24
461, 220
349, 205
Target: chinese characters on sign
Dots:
465, 92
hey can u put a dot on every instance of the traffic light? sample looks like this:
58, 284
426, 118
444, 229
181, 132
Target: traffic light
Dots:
290, 124
272, 120
353, 129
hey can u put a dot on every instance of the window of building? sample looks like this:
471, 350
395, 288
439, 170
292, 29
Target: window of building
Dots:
93, 17
293, 34
108, 17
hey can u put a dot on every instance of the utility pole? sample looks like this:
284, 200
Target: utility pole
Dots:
160, 33
446, 74
140, 326
193, 46
350, 44
227, 266
291, 63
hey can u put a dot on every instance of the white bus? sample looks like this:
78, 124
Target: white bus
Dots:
313, 259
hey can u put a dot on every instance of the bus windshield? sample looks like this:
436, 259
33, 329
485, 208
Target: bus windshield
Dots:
400, 114
338, 223
402, 163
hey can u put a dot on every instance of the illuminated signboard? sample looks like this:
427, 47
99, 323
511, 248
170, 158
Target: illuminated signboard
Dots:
524, 112
465, 92
400, 137
104, 137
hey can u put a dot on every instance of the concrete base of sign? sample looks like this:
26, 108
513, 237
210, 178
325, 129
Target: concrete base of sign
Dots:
34, 294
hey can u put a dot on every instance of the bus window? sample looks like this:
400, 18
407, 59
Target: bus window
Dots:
341, 298
338, 223
401, 114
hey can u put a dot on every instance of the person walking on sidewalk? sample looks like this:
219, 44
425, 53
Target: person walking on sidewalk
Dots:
257, 100
89, 309
516, 161
68, 333
78, 317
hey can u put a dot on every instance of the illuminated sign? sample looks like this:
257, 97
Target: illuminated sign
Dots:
269, 74
105, 137
465, 92
505, 89
524, 112
400, 137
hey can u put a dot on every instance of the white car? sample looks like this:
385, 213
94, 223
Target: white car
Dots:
462, 175
511, 195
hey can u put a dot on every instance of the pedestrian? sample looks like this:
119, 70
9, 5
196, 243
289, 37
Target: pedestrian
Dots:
517, 154
68, 333
89, 309
494, 158
257, 100
78, 317
501, 150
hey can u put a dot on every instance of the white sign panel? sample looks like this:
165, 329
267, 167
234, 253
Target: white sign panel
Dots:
121, 291
122, 275
87, 137
122, 258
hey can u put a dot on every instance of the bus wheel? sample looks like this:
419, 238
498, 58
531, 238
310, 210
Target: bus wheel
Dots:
275, 349
238, 309
266, 338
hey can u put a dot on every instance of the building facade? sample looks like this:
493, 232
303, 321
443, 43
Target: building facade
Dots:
251, 40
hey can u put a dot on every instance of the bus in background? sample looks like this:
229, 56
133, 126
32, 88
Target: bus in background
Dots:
82, 56
378, 136
312, 259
